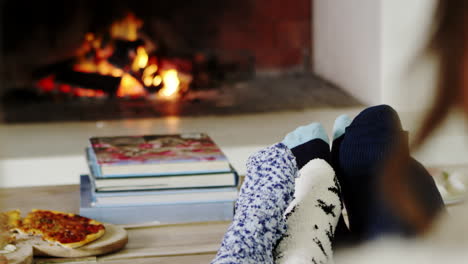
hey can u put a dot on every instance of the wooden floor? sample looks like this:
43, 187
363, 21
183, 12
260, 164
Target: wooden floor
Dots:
193, 243
184, 243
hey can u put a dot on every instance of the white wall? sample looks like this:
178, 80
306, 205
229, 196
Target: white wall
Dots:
370, 48
407, 81
367, 47
347, 46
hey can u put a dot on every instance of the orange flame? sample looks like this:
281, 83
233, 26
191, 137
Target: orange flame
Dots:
129, 86
146, 68
141, 59
126, 28
171, 84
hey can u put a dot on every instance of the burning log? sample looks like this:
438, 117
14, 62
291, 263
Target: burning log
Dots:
94, 81
53, 68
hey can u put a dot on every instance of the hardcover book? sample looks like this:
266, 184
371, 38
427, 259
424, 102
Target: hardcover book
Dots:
126, 156
182, 212
165, 182
161, 182
144, 197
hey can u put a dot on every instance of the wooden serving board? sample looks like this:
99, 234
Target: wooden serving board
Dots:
22, 255
114, 239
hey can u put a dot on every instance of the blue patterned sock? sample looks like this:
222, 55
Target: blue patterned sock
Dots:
267, 191
258, 221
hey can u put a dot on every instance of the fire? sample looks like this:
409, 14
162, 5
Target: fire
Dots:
157, 80
126, 28
130, 86
103, 67
141, 59
142, 74
171, 84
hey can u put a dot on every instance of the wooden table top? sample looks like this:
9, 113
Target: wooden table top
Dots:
182, 243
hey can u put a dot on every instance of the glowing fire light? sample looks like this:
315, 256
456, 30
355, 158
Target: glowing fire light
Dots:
171, 84
157, 80
127, 28
129, 86
148, 80
144, 72
141, 59
150, 70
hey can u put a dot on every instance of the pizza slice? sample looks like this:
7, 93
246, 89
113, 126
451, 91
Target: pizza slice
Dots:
65, 229
8, 221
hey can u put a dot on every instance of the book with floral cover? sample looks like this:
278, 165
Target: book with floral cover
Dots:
124, 156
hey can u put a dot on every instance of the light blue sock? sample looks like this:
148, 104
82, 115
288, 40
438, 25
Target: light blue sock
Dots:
339, 127
304, 134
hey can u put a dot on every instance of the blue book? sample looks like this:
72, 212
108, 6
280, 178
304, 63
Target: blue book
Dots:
127, 156
180, 212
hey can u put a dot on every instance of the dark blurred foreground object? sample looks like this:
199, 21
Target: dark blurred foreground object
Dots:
373, 141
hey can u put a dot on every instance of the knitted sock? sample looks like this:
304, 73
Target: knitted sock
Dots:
313, 214
366, 146
339, 128
267, 190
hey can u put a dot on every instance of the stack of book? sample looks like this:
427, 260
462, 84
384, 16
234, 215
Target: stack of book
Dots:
157, 178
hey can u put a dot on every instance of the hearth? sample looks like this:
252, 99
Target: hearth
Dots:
98, 60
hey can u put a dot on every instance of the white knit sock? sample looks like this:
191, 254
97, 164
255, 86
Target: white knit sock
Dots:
311, 217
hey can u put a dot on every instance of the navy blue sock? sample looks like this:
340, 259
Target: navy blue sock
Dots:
343, 237
307, 143
313, 149
365, 148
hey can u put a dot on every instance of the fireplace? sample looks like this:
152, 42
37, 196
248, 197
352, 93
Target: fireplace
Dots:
126, 62
98, 60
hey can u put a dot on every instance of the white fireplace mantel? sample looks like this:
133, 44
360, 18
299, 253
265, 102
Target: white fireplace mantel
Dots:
53, 153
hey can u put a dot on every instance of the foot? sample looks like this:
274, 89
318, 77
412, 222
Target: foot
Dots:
368, 145
311, 217
313, 214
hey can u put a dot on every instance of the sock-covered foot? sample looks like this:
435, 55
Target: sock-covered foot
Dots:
339, 128
307, 143
267, 190
313, 214
365, 149
311, 217
343, 236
